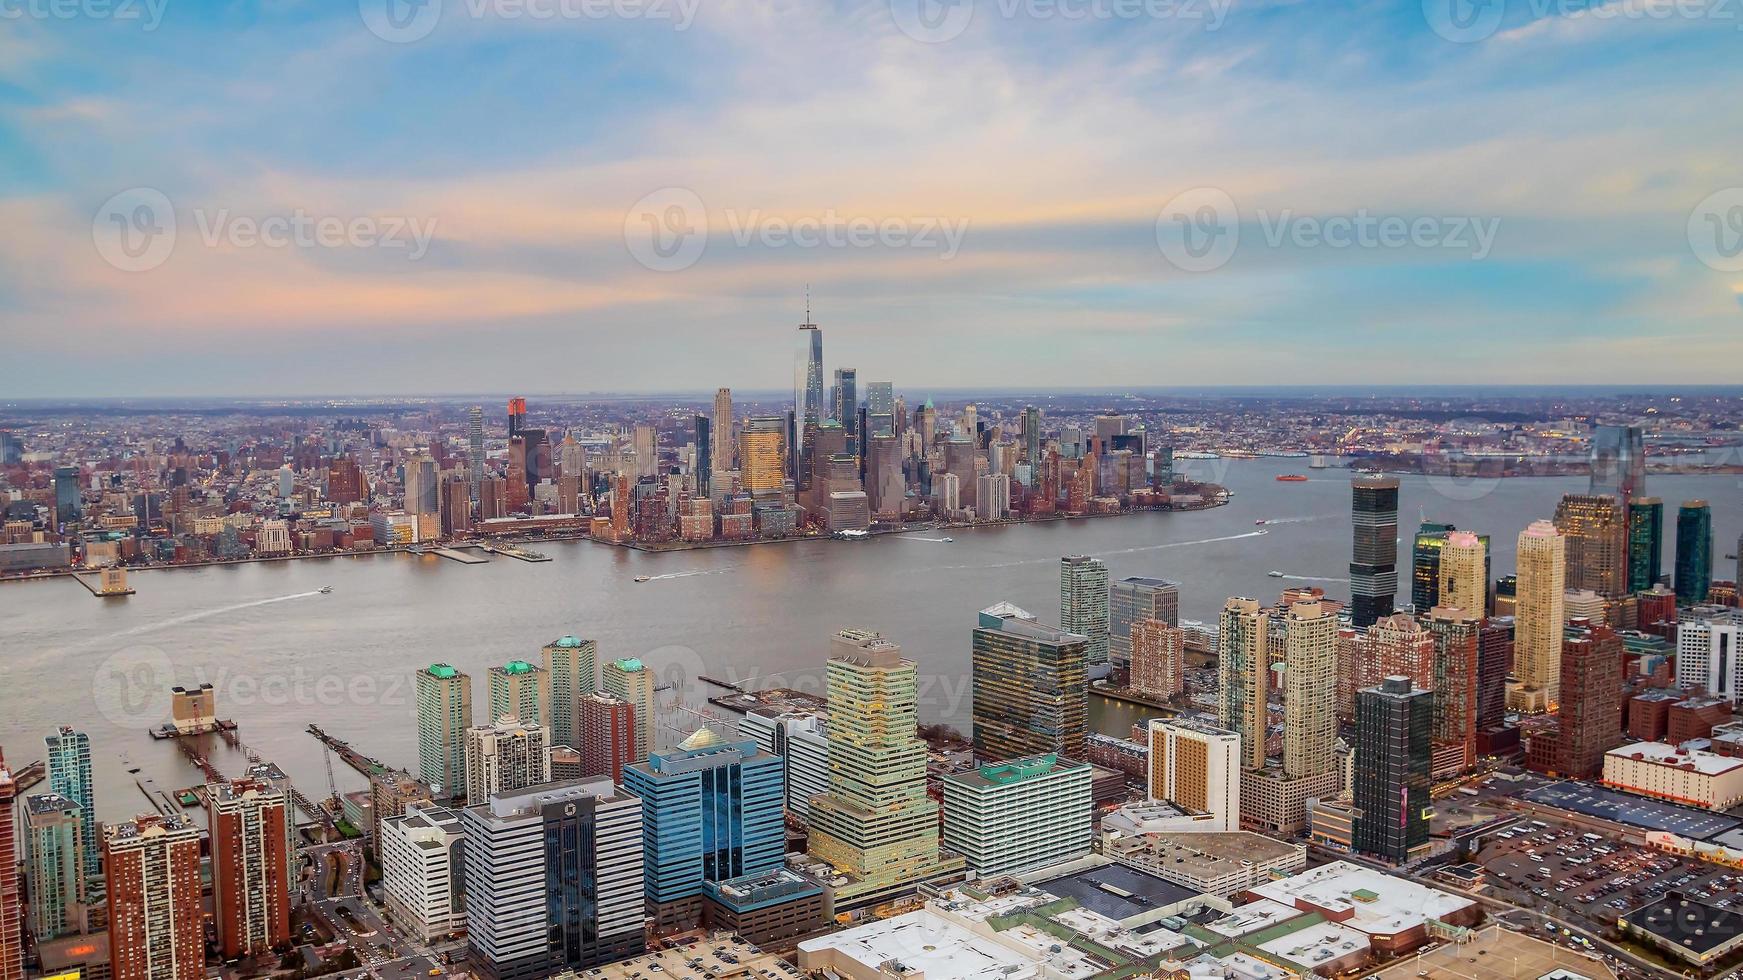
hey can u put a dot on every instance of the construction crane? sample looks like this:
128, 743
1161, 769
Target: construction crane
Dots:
332, 784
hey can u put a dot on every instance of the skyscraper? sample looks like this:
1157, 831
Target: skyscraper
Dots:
1398, 644
506, 756
1131, 600
11, 925
517, 416
1590, 715
712, 810
608, 735
876, 824
1243, 669
553, 879
1645, 542
1198, 767
1030, 687
1694, 552
68, 506
1393, 725
69, 774
1374, 560
1425, 564
646, 441
1083, 602
808, 405
523, 690
1309, 690
1032, 443
1619, 462
1455, 684
723, 451
845, 404
571, 667
1464, 576
251, 865
1595, 529
762, 453
156, 925
704, 468
54, 864
632, 681
1158, 659
475, 447
444, 715
1538, 616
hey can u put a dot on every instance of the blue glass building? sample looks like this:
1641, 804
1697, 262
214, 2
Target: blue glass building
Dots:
711, 811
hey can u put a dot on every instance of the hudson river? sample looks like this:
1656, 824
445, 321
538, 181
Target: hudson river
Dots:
282, 654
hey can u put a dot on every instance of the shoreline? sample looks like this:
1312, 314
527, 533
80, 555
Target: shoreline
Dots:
426, 549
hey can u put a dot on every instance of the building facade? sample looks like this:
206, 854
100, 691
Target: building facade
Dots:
1017, 816
1030, 687
1393, 726
1196, 767
444, 715
151, 868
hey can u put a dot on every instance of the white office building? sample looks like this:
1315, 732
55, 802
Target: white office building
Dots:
1706, 650
421, 855
802, 742
1010, 817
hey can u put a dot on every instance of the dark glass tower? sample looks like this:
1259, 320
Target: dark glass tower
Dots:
1694, 552
1425, 565
704, 454
1619, 461
1393, 725
1374, 561
1645, 542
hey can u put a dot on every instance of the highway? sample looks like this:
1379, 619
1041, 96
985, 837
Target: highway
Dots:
347, 911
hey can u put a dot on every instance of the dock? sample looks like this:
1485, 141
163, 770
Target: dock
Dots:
160, 801
515, 551
30, 775
462, 557
105, 586
366, 765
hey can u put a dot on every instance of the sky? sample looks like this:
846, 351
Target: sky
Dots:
283, 197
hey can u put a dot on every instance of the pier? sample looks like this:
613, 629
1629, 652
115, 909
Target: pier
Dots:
30, 775
515, 551
109, 583
454, 554
364, 764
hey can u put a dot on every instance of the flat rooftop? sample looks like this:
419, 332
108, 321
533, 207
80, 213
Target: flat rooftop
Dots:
924, 942
707, 960
1634, 811
1687, 923
1318, 943
1205, 856
1117, 891
1491, 955
1705, 763
1380, 903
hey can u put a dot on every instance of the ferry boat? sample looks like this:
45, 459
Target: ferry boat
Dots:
1274, 573
1260, 522
326, 590
644, 578
1291, 478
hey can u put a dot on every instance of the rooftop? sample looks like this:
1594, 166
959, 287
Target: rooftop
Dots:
1380, 903
923, 942
1686, 923
1495, 953
1633, 811
1014, 770
1117, 891
708, 960
1207, 856
1705, 763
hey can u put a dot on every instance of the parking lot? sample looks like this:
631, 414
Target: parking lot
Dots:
1593, 879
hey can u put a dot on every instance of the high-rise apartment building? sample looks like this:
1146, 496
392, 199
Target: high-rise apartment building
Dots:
1694, 552
151, 867
607, 735
703, 468
1158, 668
1130, 600
1243, 671
712, 810
1645, 543
633, 681
1032, 443
444, 715
1397, 644
505, 757
1309, 690
11, 920
1464, 574
252, 861
523, 690
69, 774
1083, 602
1197, 767
1455, 684
1595, 530
54, 862
1030, 687
1006, 818
1374, 558
876, 824
1539, 602
724, 449
553, 880
475, 447
1425, 564
571, 667
1709, 651
1393, 726
1590, 715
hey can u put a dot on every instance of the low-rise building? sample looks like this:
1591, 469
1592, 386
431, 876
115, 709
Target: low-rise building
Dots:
1394, 912
1213, 864
1690, 930
1666, 772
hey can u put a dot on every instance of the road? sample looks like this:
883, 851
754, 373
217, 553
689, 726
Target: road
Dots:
1518, 917
354, 919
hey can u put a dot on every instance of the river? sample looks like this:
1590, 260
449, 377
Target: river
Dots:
282, 654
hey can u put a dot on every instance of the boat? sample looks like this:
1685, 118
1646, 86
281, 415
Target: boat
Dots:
326, 590
1260, 522
1291, 478
644, 578
946, 540
1274, 573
